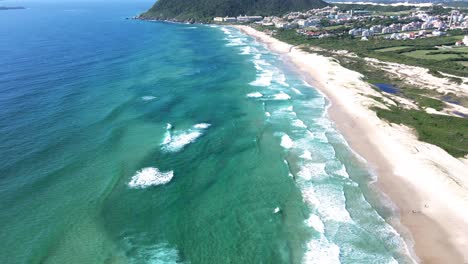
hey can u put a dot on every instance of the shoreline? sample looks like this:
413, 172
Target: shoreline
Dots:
422, 180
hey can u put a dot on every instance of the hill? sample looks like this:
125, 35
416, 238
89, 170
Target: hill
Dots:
205, 10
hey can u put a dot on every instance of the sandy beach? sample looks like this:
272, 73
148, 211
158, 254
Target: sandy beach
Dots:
429, 186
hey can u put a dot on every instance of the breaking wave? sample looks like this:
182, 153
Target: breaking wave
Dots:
177, 140
150, 176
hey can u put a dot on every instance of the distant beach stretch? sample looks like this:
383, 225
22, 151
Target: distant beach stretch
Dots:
428, 185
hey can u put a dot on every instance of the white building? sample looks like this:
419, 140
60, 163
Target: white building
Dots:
247, 19
465, 40
355, 32
229, 19
367, 33
218, 19
302, 23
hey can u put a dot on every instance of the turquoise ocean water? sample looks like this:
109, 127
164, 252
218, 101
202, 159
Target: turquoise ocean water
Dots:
125, 141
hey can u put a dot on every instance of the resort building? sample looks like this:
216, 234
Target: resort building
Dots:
248, 19
229, 19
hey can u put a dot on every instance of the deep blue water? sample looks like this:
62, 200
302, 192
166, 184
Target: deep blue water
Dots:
388, 88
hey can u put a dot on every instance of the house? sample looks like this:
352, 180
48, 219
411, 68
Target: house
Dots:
218, 19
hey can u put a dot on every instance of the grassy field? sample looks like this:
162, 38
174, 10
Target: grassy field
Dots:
423, 54
392, 49
456, 49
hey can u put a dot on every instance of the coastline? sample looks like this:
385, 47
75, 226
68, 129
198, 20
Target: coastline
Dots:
425, 183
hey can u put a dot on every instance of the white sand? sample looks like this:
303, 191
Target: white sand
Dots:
429, 186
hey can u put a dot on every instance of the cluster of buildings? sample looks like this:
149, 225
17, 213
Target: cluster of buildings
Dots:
310, 18
312, 23
239, 19
417, 28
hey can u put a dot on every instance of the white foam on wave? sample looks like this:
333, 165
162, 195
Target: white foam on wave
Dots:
235, 42
315, 222
226, 31
281, 79
260, 62
306, 155
342, 172
263, 79
160, 253
286, 141
255, 95
324, 123
309, 196
285, 112
179, 140
298, 123
312, 170
246, 50
332, 203
148, 97
150, 177
202, 126
296, 90
167, 137
281, 96
267, 114
321, 251
318, 135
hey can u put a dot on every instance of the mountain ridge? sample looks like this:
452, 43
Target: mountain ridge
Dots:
205, 10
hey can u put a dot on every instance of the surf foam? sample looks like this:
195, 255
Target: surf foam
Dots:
286, 141
255, 95
177, 141
148, 98
281, 96
150, 176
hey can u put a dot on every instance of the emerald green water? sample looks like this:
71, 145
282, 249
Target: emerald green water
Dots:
136, 142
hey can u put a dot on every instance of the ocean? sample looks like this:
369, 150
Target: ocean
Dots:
125, 141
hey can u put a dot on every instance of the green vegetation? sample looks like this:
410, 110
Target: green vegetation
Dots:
464, 63
447, 132
205, 10
394, 50
374, 8
422, 99
429, 55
